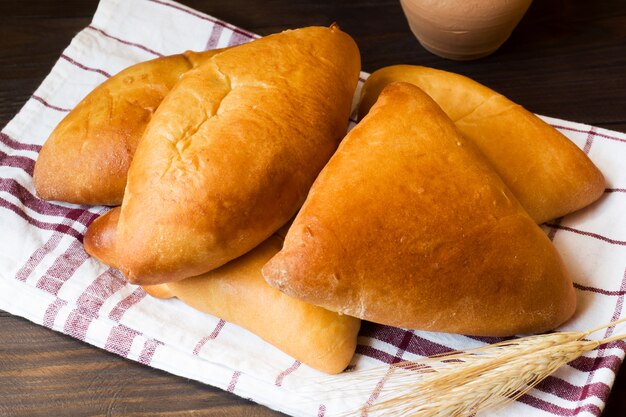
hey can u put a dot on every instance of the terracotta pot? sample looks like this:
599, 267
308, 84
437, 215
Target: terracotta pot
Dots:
463, 29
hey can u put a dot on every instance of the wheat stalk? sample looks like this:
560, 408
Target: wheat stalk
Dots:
460, 384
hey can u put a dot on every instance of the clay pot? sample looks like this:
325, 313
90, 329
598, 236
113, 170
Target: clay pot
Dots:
463, 29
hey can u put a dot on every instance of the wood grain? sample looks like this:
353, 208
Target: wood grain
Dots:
566, 59
44, 373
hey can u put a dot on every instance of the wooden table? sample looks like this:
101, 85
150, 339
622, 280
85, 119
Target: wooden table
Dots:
566, 59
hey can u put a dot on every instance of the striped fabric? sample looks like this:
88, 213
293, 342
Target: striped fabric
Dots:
46, 277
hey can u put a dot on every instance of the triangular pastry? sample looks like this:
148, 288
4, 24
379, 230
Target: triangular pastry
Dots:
549, 175
407, 225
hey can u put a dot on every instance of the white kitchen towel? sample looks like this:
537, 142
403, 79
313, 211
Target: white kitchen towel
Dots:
46, 277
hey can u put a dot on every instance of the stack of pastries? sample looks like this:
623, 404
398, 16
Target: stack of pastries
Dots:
425, 217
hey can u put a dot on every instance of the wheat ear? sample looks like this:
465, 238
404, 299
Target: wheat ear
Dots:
460, 384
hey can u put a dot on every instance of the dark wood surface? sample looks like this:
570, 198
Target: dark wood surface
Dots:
566, 59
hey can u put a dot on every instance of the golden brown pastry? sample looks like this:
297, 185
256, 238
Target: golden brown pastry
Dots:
86, 158
101, 236
231, 152
237, 293
549, 175
407, 225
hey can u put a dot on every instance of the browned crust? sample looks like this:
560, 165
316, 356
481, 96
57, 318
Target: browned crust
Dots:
549, 175
232, 151
86, 158
237, 293
408, 226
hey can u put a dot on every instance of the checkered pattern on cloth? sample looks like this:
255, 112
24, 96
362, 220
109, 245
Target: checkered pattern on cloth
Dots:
46, 277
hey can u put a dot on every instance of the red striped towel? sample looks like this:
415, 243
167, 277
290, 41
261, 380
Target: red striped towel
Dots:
46, 277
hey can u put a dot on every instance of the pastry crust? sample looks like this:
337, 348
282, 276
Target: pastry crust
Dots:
237, 293
549, 175
232, 151
86, 158
101, 236
407, 225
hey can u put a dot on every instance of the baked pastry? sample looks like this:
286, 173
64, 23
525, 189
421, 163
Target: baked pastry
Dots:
407, 225
549, 175
86, 158
100, 239
232, 151
237, 293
